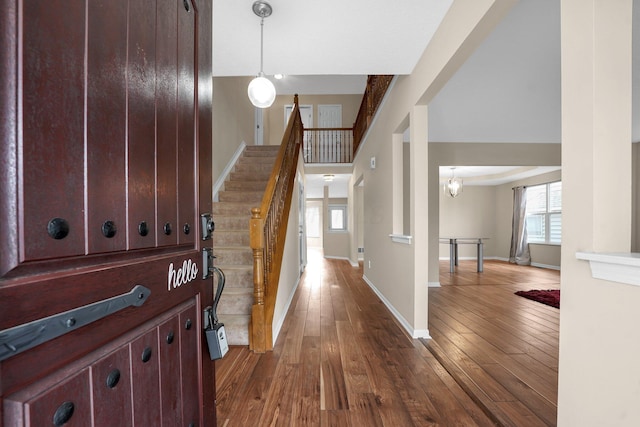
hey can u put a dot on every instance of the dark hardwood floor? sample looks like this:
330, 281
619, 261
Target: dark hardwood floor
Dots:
342, 360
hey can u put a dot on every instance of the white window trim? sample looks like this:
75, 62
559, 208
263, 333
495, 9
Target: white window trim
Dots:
547, 220
343, 208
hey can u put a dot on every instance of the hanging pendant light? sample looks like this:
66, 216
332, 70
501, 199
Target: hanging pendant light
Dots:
453, 186
261, 91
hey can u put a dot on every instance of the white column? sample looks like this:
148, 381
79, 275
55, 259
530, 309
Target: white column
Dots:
599, 377
419, 212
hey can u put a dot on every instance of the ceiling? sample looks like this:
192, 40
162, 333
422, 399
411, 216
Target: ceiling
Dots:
333, 37
507, 91
314, 186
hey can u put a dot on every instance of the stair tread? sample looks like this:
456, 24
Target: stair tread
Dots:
237, 290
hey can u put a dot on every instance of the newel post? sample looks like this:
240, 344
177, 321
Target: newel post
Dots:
257, 336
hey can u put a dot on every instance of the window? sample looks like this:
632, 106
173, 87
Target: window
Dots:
544, 213
338, 218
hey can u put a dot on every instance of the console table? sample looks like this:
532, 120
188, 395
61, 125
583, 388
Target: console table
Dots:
453, 249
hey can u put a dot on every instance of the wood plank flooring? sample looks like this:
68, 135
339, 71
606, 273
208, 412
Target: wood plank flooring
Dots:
501, 348
342, 360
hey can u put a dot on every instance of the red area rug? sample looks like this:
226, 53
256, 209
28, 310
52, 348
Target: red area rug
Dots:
549, 297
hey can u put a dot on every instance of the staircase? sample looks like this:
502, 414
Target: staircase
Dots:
243, 190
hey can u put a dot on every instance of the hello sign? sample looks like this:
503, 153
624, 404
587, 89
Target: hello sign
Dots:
183, 275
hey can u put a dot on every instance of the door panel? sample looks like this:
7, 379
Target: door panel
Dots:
69, 400
111, 380
168, 334
106, 125
141, 124
186, 213
167, 81
50, 86
145, 375
110, 142
188, 349
119, 384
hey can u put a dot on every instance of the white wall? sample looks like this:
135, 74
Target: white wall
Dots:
599, 373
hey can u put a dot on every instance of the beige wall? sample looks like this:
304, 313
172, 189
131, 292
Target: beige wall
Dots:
471, 214
290, 270
233, 120
486, 211
479, 154
336, 244
274, 115
398, 271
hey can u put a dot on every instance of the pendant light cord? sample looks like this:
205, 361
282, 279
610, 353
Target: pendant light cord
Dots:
261, 43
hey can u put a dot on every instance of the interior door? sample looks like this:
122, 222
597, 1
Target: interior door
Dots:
105, 170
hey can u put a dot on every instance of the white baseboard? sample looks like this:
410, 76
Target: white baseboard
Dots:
414, 333
551, 267
277, 325
338, 257
353, 264
433, 284
227, 170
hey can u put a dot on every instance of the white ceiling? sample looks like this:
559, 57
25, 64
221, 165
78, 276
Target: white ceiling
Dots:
314, 186
333, 37
507, 91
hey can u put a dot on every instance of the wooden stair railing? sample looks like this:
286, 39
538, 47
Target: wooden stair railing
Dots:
375, 90
268, 229
340, 145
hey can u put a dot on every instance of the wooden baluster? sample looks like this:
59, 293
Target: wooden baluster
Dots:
256, 330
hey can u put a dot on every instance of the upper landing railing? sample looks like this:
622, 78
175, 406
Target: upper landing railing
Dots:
339, 145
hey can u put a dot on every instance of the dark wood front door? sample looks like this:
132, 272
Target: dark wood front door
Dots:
105, 168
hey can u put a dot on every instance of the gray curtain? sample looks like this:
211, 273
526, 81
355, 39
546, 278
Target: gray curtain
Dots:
519, 253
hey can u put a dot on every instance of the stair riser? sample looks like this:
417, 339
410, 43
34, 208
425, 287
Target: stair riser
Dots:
224, 222
265, 151
228, 238
236, 328
245, 185
233, 257
241, 196
250, 176
231, 303
263, 168
236, 278
266, 160
239, 209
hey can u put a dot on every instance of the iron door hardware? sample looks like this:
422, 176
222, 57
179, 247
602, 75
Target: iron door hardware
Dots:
206, 225
24, 337
207, 262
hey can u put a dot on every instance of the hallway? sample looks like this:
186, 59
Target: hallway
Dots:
340, 360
